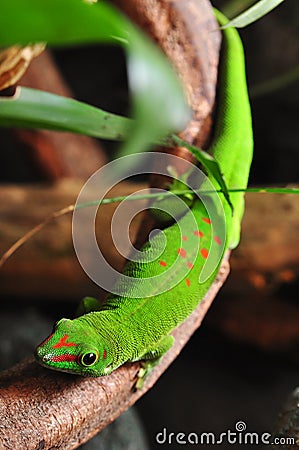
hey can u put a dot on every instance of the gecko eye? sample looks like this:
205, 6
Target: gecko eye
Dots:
89, 359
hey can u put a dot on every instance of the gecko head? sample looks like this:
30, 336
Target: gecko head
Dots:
76, 348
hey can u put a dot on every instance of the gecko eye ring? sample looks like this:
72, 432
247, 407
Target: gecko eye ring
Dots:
89, 359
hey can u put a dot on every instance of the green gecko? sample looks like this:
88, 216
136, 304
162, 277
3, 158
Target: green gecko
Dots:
127, 328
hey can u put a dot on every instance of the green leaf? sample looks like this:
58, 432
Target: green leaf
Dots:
38, 109
209, 164
59, 22
159, 105
252, 14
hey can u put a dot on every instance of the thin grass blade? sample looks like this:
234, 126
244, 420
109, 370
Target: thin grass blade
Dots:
254, 13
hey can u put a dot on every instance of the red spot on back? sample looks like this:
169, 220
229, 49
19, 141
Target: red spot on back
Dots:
64, 358
204, 252
163, 263
105, 354
190, 265
182, 252
184, 238
188, 282
217, 240
206, 219
198, 233
62, 342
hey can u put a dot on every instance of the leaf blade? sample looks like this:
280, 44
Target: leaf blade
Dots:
209, 164
252, 14
38, 109
31, 20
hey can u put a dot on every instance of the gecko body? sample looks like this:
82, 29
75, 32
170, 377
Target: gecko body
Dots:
131, 327
143, 323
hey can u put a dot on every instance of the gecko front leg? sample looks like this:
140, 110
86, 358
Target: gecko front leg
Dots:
151, 358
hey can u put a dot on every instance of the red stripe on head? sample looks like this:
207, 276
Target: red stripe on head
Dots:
105, 354
62, 342
64, 358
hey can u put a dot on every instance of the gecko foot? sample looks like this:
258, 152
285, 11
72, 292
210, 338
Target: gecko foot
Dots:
151, 358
